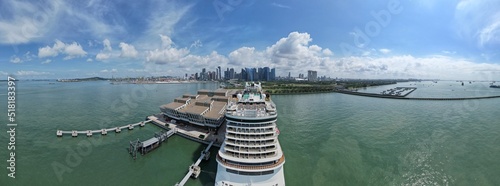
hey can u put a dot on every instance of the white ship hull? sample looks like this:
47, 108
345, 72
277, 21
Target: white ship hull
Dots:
251, 153
225, 178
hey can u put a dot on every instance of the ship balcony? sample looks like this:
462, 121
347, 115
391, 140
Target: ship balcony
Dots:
250, 137
248, 113
251, 143
271, 165
251, 155
252, 125
250, 150
237, 130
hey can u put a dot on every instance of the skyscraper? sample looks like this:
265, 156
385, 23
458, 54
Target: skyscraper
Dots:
312, 75
231, 73
203, 74
219, 73
272, 74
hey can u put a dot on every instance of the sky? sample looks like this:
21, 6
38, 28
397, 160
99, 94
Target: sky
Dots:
428, 39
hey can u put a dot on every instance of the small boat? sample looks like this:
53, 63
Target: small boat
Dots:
494, 86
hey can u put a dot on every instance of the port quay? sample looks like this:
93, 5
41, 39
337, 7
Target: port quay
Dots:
199, 118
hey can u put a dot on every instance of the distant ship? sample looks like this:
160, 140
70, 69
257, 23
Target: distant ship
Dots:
251, 153
494, 86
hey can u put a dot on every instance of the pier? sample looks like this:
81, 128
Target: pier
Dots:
144, 147
171, 127
194, 169
190, 132
410, 98
89, 133
399, 91
194, 134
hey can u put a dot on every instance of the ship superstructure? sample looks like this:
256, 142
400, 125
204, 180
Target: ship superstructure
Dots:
251, 153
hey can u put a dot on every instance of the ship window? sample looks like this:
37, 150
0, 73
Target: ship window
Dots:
250, 173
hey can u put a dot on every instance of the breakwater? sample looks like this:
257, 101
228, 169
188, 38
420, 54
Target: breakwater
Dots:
409, 98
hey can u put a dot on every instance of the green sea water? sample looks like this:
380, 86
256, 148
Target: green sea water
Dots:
328, 139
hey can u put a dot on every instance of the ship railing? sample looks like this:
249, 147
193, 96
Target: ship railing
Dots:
252, 167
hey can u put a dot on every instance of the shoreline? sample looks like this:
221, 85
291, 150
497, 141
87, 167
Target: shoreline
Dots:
407, 98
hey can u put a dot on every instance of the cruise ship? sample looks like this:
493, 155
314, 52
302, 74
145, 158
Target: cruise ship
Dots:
251, 153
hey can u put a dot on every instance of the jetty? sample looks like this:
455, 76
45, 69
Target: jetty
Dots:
89, 133
189, 132
399, 91
194, 169
212, 138
410, 98
144, 147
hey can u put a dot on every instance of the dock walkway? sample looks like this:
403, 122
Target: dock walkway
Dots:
146, 146
89, 133
193, 133
194, 169
190, 133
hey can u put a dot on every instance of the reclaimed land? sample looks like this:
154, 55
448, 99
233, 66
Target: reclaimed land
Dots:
408, 98
306, 87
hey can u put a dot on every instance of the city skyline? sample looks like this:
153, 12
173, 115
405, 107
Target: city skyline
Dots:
248, 74
356, 39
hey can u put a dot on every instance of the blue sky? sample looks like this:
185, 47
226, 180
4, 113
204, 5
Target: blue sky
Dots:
347, 39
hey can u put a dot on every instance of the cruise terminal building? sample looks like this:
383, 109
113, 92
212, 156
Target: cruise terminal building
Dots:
206, 108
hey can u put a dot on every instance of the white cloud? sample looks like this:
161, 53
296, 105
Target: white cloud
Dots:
196, 44
243, 55
187, 64
448, 52
74, 50
92, 19
24, 58
280, 5
31, 73
167, 54
407, 66
28, 56
327, 52
15, 59
384, 51
490, 33
48, 51
24, 26
166, 42
47, 61
109, 71
3, 73
292, 47
162, 19
107, 45
296, 54
70, 50
105, 53
102, 56
128, 50
210, 61
36, 21
479, 21
89, 60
